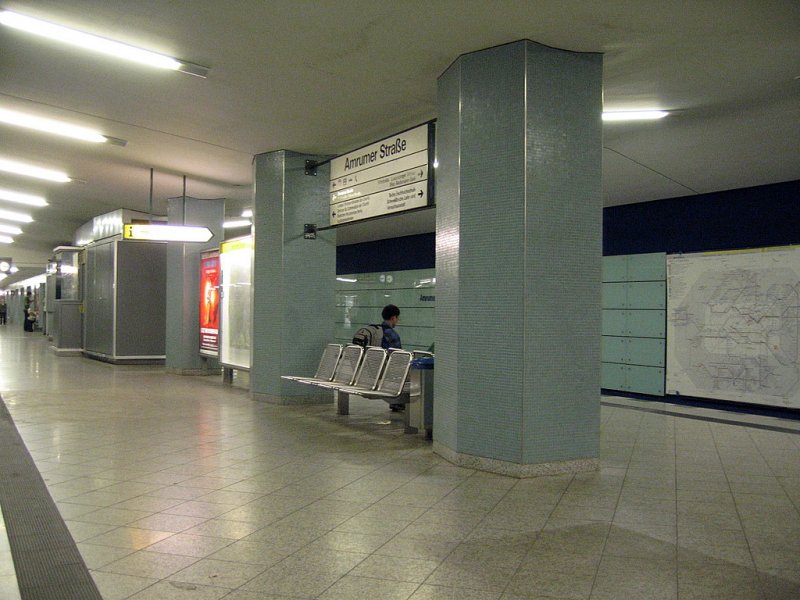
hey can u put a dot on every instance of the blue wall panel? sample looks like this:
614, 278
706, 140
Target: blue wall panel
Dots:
753, 217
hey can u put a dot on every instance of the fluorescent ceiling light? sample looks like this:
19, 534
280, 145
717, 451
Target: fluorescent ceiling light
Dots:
236, 223
19, 198
11, 166
4, 239
19, 119
12, 229
9, 215
166, 233
98, 44
634, 115
247, 213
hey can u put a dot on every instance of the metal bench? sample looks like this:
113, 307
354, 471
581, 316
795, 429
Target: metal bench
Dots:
380, 374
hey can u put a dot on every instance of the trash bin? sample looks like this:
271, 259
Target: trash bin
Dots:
421, 408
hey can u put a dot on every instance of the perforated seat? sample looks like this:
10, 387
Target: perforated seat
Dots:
327, 365
346, 369
370, 372
392, 381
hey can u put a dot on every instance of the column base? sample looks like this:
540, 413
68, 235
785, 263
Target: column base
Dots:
67, 351
521, 471
179, 371
291, 400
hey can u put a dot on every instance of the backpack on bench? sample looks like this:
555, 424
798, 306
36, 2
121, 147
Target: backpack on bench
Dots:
369, 335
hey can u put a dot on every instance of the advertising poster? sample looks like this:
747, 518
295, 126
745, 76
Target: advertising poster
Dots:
236, 323
209, 304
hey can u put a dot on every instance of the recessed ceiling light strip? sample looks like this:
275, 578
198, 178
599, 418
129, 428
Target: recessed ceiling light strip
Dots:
20, 198
98, 44
634, 115
9, 215
13, 117
236, 223
18, 168
12, 229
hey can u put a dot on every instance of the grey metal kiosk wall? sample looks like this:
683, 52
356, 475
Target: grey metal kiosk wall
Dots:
66, 324
125, 300
518, 260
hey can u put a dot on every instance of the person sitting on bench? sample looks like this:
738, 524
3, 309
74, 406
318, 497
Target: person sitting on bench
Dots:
391, 339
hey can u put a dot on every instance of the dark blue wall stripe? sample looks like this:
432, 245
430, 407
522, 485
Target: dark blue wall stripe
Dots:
767, 215
396, 254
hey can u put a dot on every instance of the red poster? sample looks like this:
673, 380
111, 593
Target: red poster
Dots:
209, 305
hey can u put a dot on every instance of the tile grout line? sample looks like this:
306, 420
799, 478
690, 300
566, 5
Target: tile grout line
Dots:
616, 506
709, 419
759, 578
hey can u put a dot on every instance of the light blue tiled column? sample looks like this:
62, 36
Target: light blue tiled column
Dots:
293, 278
518, 260
183, 285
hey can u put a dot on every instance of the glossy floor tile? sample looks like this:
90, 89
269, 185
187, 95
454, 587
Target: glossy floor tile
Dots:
9, 588
183, 487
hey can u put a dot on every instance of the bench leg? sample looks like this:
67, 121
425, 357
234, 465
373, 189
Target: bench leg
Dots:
406, 399
342, 402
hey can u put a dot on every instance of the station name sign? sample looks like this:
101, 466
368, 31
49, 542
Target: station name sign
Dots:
388, 176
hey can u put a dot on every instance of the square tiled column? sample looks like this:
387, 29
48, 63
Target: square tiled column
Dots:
293, 278
518, 260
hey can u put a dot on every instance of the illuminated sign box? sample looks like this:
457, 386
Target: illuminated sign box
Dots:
165, 233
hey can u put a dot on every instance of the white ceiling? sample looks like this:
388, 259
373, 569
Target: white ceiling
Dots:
326, 76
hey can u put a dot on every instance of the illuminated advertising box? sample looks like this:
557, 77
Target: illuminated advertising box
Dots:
209, 303
236, 321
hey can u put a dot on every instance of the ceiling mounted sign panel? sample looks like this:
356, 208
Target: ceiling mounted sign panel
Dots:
388, 176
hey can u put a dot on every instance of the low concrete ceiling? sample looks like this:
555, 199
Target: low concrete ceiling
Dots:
328, 76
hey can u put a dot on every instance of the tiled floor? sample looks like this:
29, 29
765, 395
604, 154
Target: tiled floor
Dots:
180, 487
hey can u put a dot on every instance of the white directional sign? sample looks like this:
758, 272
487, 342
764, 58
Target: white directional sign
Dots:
385, 177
